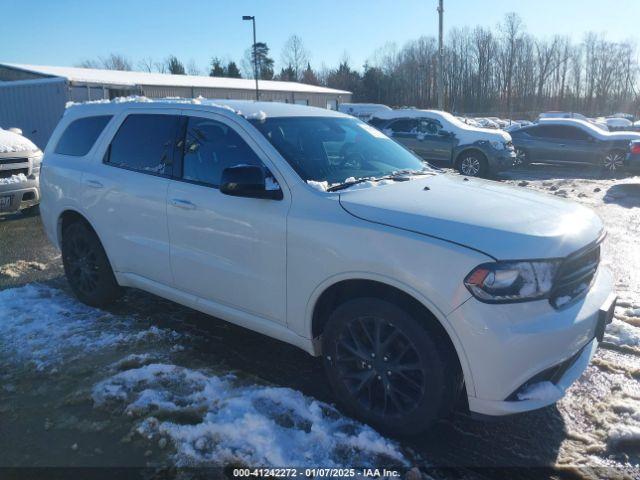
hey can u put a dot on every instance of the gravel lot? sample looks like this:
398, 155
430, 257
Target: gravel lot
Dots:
151, 383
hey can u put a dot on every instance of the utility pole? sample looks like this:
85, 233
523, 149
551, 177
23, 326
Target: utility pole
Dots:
255, 52
440, 78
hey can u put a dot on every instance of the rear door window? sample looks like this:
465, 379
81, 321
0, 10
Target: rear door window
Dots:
406, 125
209, 148
80, 135
145, 143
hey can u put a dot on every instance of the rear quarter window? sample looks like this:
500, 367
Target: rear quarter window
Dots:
80, 135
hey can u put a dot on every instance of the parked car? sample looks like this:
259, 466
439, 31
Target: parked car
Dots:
314, 228
442, 138
19, 170
632, 162
363, 111
618, 124
571, 141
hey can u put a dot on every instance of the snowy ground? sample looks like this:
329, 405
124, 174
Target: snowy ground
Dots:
153, 383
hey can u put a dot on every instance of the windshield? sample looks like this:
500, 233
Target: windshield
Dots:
333, 150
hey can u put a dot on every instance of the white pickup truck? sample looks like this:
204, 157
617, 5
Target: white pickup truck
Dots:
20, 163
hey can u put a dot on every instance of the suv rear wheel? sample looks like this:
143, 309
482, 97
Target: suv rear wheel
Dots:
387, 368
613, 161
472, 164
87, 267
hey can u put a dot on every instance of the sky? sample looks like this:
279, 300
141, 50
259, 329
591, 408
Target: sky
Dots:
64, 32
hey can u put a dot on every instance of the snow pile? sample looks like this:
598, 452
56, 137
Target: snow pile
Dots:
544, 391
622, 334
16, 269
622, 437
322, 186
259, 115
43, 327
13, 178
215, 420
11, 142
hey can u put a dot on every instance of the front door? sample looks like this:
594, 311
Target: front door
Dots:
437, 144
228, 250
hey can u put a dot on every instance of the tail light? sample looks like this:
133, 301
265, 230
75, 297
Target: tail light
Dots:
635, 148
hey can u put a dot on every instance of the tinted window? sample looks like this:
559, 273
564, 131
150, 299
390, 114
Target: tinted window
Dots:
145, 143
429, 127
404, 126
569, 133
80, 135
209, 148
539, 131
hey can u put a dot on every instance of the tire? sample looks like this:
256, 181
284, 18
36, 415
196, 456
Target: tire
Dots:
613, 162
87, 267
400, 388
472, 164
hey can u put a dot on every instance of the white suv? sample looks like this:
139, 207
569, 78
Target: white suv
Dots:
315, 228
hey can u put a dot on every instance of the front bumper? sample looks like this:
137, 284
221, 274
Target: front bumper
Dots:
500, 160
507, 345
22, 195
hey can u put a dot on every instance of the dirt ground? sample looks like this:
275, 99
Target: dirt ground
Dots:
154, 384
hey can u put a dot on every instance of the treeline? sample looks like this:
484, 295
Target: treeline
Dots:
502, 70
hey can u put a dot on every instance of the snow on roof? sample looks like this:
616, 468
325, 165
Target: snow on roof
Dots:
249, 109
127, 78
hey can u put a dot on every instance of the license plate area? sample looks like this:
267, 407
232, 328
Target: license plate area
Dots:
605, 316
5, 202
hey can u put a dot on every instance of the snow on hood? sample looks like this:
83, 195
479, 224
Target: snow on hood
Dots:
11, 142
503, 222
464, 132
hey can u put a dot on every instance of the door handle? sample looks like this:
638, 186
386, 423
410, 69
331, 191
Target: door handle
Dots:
94, 184
184, 204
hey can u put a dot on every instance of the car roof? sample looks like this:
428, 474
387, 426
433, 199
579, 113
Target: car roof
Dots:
247, 108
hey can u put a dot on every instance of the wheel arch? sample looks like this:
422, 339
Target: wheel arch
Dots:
333, 293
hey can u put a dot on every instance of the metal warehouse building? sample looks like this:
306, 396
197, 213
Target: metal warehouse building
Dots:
33, 97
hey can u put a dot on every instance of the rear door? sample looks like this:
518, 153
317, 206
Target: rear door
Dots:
405, 132
435, 143
125, 192
227, 250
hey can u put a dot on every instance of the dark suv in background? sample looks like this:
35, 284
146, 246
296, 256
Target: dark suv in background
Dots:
572, 141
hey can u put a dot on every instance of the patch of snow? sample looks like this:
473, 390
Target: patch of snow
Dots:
369, 184
14, 270
623, 435
270, 183
259, 115
622, 334
545, 391
44, 327
13, 178
11, 142
322, 186
232, 423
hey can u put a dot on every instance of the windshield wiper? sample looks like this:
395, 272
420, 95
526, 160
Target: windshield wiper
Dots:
398, 176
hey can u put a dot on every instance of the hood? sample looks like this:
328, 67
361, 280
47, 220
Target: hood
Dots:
507, 223
469, 134
11, 142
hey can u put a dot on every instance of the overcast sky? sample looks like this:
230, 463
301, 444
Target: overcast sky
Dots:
63, 32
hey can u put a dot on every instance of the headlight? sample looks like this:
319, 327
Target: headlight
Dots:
504, 282
497, 145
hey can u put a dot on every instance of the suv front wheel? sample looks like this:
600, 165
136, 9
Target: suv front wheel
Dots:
472, 164
388, 368
87, 267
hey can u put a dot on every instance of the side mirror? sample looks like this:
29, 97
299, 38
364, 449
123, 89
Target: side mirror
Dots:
249, 181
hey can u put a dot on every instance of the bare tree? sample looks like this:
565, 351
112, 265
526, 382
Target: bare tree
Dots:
192, 68
295, 56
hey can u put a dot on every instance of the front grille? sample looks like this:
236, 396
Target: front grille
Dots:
10, 173
575, 275
12, 161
